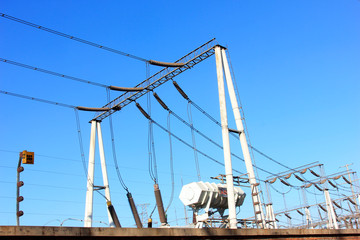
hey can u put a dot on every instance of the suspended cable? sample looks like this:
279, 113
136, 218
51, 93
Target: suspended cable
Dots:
77, 119
178, 138
187, 144
114, 150
171, 165
270, 158
81, 145
193, 142
186, 97
242, 113
161, 102
151, 143
37, 99
280, 191
72, 37
52, 73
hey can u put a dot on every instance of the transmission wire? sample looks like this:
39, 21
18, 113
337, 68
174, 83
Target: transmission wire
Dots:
77, 124
182, 141
171, 165
81, 145
193, 141
235, 135
114, 149
208, 138
241, 110
72, 37
52, 73
37, 99
151, 143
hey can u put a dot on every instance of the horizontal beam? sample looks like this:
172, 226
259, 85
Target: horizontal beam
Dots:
191, 59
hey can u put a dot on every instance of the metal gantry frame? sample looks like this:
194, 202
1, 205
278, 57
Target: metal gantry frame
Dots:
168, 73
131, 94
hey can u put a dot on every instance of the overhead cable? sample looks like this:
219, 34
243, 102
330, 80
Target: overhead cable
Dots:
171, 165
52, 73
37, 99
186, 97
193, 141
72, 37
152, 62
178, 138
161, 102
114, 150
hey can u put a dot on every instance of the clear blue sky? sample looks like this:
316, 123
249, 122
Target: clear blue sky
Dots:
296, 65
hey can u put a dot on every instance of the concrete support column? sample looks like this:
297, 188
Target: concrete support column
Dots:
226, 141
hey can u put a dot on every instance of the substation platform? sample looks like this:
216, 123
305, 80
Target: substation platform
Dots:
38, 232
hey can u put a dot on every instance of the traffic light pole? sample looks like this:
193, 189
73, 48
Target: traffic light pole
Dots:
18, 185
26, 158
18, 191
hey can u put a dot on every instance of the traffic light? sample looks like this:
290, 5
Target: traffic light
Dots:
27, 157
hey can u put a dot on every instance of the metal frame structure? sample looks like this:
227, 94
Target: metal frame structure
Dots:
95, 127
168, 73
191, 59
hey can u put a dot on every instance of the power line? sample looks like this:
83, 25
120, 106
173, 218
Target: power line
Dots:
72, 37
185, 96
193, 141
171, 165
37, 99
178, 138
191, 126
73, 160
52, 73
187, 144
114, 150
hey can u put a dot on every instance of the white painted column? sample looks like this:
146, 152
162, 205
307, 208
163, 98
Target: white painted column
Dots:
308, 218
273, 217
270, 216
90, 178
226, 141
331, 212
244, 145
104, 172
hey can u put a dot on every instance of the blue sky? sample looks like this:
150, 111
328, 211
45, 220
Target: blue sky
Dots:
296, 65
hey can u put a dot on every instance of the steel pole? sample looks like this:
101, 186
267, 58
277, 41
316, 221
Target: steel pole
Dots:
226, 141
90, 178
104, 171
18, 191
244, 145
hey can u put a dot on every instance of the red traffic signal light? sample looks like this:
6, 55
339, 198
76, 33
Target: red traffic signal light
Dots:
19, 213
20, 199
20, 184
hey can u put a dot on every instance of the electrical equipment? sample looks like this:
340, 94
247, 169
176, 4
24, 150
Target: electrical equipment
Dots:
199, 194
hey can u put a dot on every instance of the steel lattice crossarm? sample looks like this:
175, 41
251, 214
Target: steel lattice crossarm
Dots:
191, 59
295, 170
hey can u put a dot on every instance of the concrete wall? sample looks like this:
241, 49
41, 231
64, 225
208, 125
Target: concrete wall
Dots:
37, 232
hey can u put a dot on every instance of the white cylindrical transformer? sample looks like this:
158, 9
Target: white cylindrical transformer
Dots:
198, 194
